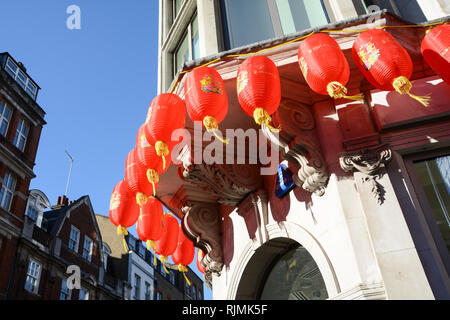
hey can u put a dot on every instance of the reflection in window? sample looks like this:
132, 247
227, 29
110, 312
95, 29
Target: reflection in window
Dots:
33, 276
269, 19
241, 31
434, 175
188, 47
176, 7
7, 191
20, 139
300, 15
295, 276
5, 118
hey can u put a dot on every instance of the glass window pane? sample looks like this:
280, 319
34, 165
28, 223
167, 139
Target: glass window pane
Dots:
32, 87
434, 176
22, 77
248, 22
298, 15
195, 39
12, 66
177, 5
182, 54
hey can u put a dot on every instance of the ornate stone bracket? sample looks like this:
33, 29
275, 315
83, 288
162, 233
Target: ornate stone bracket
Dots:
369, 162
202, 224
300, 143
218, 184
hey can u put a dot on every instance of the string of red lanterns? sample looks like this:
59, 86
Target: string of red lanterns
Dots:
378, 55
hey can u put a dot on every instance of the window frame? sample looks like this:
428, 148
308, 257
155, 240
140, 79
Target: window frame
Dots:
68, 293
37, 277
422, 205
91, 247
77, 242
174, 9
187, 34
148, 291
5, 119
86, 295
275, 19
6, 188
20, 134
137, 287
15, 75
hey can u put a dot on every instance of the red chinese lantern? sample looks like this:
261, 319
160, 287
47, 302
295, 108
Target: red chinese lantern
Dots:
200, 256
142, 182
259, 89
325, 67
167, 244
123, 210
166, 113
436, 50
206, 98
148, 156
384, 62
149, 226
184, 254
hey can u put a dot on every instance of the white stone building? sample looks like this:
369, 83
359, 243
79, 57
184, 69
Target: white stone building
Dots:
368, 217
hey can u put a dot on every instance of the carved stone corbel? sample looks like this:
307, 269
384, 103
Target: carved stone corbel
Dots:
301, 145
202, 225
227, 184
370, 162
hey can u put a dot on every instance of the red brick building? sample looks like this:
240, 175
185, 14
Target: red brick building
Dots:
21, 122
67, 237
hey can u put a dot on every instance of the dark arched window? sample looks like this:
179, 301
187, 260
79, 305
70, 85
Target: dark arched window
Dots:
294, 276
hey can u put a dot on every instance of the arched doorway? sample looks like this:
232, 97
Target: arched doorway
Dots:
282, 269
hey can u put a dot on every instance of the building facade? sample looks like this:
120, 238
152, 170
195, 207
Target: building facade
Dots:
146, 280
367, 216
61, 255
21, 123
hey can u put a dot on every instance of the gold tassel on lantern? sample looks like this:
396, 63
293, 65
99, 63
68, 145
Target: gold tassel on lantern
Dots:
262, 117
151, 245
122, 231
153, 177
184, 269
163, 260
403, 86
162, 150
337, 90
141, 199
211, 125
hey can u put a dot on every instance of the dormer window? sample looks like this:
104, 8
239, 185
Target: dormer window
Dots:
21, 78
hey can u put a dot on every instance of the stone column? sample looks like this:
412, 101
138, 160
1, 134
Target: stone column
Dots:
396, 254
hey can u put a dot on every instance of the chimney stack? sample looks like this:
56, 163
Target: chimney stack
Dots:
63, 201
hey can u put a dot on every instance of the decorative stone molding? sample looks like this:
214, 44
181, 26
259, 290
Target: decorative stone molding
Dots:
369, 162
202, 224
301, 145
228, 184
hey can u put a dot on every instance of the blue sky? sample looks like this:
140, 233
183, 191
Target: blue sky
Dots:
97, 84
